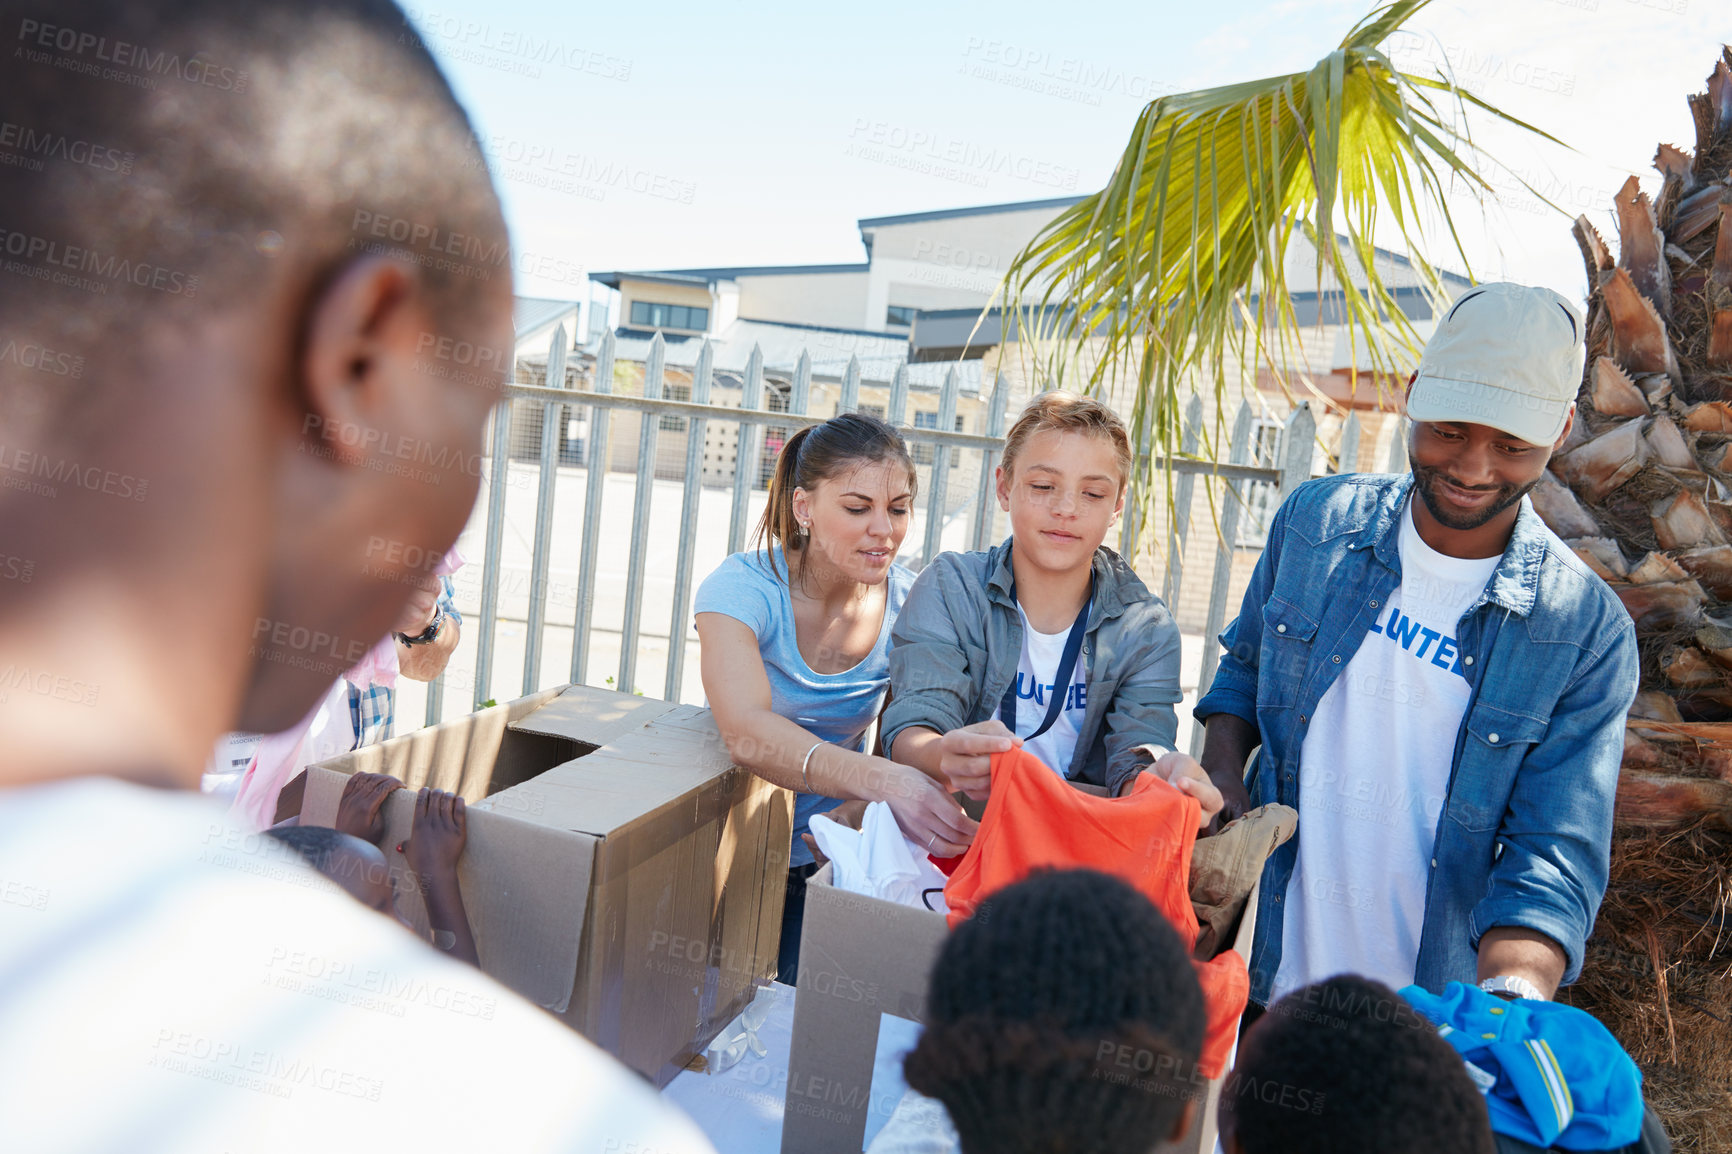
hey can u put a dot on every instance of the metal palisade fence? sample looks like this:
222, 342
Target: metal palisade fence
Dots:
948, 456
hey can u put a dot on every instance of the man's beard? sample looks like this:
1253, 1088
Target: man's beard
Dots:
1424, 478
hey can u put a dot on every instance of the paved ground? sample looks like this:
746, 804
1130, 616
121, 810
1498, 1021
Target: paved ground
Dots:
508, 679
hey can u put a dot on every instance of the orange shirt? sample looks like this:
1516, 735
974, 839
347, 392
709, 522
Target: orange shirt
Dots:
1035, 820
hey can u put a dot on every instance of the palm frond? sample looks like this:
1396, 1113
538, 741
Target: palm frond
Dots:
1175, 269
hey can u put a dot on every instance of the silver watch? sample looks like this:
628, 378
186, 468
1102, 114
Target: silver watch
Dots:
1513, 986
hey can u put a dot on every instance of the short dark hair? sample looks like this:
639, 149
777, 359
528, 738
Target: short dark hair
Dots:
1348, 1064
316, 844
166, 152
1064, 1015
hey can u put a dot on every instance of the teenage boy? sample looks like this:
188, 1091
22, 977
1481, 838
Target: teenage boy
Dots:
1050, 640
270, 222
1438, 686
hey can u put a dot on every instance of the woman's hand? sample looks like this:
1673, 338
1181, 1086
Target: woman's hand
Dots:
928, 815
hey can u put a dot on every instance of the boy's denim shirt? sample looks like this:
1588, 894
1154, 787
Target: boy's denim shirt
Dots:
954, 650
1524, 837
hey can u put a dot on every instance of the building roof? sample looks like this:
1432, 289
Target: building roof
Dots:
781, 344
709, 276
979, 210
531, 313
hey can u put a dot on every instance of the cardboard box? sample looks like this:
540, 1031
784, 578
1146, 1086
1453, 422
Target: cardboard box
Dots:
619, 872
860, 958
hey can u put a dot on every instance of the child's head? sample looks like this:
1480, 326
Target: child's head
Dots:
1063, 1015
356, 865
841, 496
1062, 479
1347, 1064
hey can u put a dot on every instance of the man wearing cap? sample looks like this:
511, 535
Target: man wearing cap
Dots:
1438, 686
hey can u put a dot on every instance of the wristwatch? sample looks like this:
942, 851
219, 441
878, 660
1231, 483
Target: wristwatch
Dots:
1509, 987
427, 635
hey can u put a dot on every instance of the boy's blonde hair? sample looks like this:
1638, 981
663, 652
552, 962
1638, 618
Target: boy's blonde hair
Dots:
1069, 413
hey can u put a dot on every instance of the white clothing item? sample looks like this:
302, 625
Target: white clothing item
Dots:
1373, 774
879, 861
169, 982
1036, 672
919, 1125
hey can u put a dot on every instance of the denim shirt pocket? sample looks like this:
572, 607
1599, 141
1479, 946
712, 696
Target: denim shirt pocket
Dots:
1497, 741
1288, 632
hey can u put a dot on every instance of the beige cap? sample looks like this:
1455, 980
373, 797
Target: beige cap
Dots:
1506, 355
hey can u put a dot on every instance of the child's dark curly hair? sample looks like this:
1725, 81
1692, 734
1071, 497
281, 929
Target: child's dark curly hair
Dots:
1348, 1064
1063, 1017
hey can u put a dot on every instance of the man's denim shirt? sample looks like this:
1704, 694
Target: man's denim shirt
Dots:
1524, 837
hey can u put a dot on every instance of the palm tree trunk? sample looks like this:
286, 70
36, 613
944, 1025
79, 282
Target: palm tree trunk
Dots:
1646, 501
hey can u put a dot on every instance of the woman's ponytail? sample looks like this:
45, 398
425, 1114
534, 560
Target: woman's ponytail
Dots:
777, 526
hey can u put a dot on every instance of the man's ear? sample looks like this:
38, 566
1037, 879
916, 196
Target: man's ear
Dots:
348, 335
1003, 488
1569, 423
1408, 391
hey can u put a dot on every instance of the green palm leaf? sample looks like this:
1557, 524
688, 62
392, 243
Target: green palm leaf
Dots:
1175, 269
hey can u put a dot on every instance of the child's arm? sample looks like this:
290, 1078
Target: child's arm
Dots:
935, 683
436, 843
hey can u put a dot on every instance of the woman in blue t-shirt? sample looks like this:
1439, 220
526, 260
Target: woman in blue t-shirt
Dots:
796, 641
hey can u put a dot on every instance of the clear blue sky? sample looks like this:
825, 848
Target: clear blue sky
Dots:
675, 134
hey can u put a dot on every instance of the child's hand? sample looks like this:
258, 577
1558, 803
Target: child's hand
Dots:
1189, 777
439, 833
361, 809
965, 756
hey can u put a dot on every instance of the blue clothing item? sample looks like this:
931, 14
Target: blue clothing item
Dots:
1524, 836
835, 707
1561, 1078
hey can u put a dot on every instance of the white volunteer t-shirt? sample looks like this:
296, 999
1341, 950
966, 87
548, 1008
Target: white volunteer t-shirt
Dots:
170, 983
1373, 773
1036, 672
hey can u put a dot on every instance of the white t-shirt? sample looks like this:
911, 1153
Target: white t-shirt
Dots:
1373, 774
1036, 673
169, 983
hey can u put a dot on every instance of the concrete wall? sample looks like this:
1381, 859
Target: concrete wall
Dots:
836, 299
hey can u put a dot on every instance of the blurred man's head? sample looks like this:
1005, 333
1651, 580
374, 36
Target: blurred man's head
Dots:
254, 306
1064, 1015
356, 865
1347, 1064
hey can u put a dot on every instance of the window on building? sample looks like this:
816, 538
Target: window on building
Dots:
776, 400
673, 422
1262, 498
650, 315
873, 411
899, 315
923, 453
